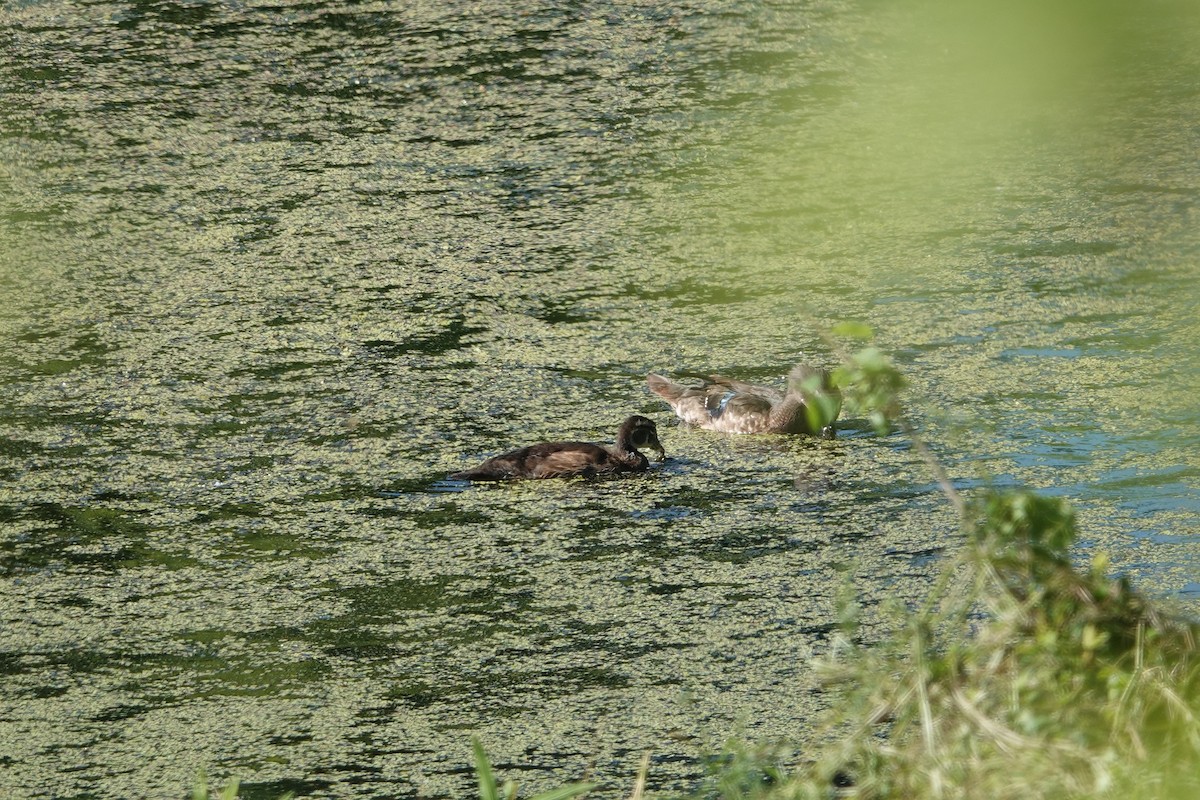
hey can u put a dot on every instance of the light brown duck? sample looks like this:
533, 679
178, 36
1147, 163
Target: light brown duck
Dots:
810, 403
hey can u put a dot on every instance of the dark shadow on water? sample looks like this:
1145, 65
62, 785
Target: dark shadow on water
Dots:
1056, 249
690, 292
276, 789
855, 428
454, 486
91, 537
448, 486
916, 558
746, 546
448, 339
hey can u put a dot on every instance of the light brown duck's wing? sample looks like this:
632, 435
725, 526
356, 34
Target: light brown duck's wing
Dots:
718, 403
671, 390
738, 412
688, 402
768, 393
723, 404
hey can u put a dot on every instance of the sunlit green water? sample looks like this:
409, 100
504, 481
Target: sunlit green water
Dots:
270, 272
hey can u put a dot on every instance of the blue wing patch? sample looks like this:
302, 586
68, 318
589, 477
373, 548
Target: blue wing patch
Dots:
720, 407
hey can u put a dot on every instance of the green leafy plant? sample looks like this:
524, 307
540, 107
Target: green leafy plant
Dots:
490, 790
868, 380
201, 791
1019, 677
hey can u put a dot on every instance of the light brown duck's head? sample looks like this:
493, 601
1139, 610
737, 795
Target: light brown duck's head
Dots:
640, 433
822, 400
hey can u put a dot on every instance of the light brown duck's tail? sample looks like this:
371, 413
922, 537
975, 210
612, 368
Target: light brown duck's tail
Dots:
664, 388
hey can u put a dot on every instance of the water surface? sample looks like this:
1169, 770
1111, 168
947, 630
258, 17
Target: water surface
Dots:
271, 271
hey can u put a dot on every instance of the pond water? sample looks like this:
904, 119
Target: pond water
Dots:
271, 271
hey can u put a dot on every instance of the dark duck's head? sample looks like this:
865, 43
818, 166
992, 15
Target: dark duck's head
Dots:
640, 433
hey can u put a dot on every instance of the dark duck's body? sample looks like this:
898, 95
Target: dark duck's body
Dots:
810, 404
566, 459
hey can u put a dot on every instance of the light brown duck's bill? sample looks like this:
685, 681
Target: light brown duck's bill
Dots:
662, 454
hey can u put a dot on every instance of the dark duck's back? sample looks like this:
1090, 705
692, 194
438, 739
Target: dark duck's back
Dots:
566, 459
729, 406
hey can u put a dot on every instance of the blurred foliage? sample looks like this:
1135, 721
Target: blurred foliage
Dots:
870, 384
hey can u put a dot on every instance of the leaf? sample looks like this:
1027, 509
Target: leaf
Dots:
565, 792
821, 411
483, 770
871, 359
200, 787
1092, 637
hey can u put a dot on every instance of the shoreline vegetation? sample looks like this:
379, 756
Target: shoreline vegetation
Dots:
1021, 677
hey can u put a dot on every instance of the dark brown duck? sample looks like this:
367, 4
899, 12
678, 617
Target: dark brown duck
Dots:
566, 459
722, 404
